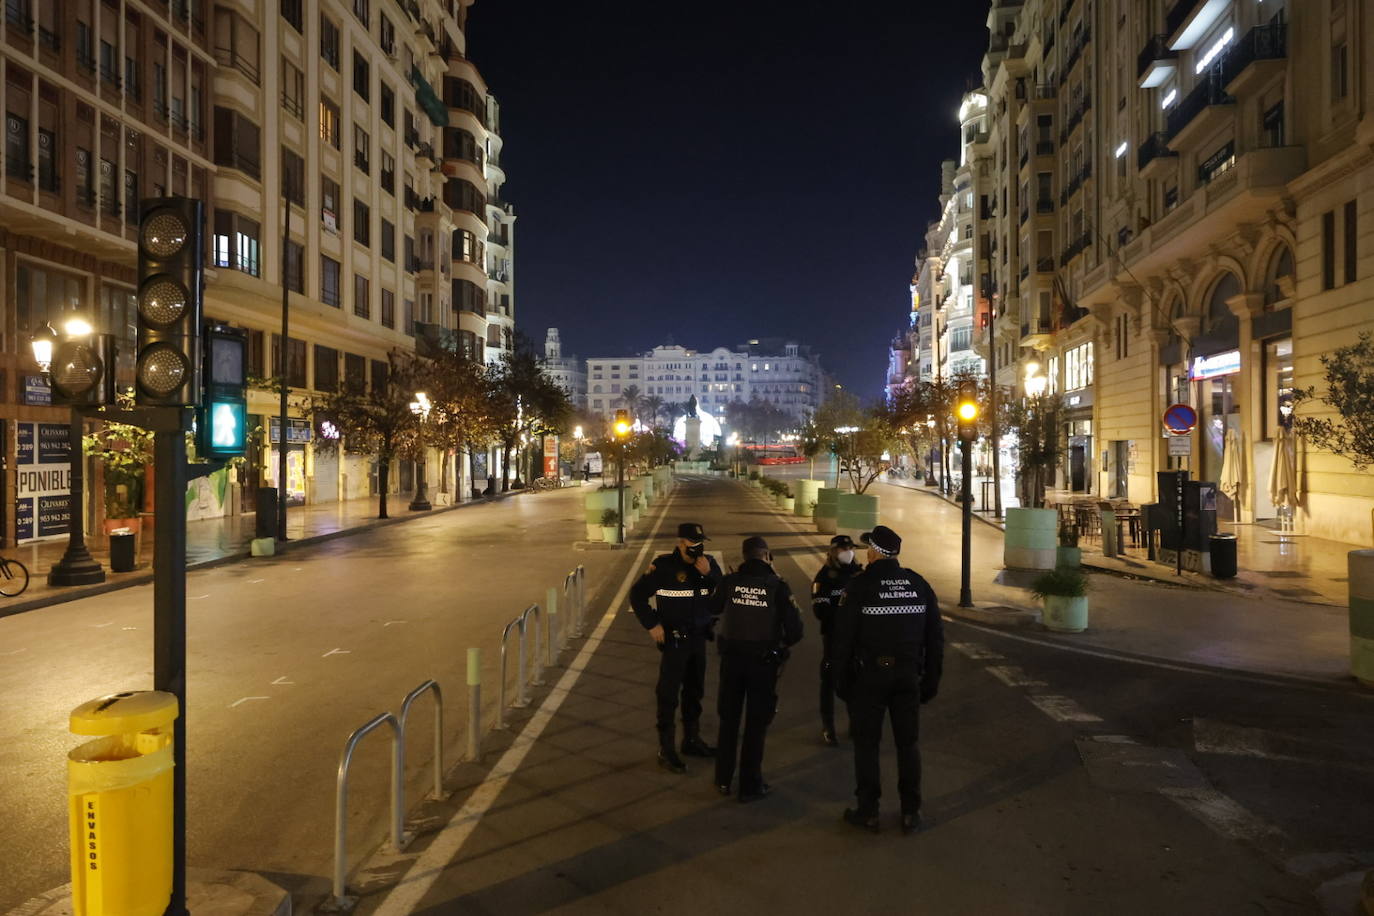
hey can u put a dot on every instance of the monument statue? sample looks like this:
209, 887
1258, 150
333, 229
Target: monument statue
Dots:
692, 406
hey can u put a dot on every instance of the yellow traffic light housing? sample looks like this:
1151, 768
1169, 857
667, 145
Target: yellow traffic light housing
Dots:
622, 425
966, 410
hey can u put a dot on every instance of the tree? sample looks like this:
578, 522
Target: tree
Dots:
378, 421
458, 419
861, 451
1350, 394
840, 411
911, 413
522, 402
653, 406
633, 400
1036, 421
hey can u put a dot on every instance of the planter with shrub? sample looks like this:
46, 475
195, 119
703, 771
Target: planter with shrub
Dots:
1064, 593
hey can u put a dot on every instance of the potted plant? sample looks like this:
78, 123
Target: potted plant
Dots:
1064, 594
124, 452
610, 526
1068, 553
787, 501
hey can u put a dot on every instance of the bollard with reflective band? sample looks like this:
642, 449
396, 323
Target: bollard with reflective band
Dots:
474, 704
119, 798
553, 628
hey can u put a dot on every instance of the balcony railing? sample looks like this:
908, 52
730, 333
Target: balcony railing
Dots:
1045, 91
1174, 19
85, 60
110, 76
1044, 148
1157, 48
1209, 91
229, 57
1045, 265
1155, 146
1044, 205
18, 16
1263, 42
1075, 248
49, 39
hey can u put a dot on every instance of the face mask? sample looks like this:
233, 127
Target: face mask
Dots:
695, 550
845, 557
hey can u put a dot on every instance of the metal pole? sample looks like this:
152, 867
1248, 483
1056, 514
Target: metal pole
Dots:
169, 624
551, 602
474, 704
521, 699
996, 428
1178, 554
965, 592
620, 489
285, 352
77, 566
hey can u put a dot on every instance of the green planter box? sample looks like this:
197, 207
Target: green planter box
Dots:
1031, 539
595, 502
827, 509
858, 512
805, 491
1066, 615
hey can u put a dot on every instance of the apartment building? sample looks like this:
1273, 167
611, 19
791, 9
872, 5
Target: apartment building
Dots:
1193, 187
567, 372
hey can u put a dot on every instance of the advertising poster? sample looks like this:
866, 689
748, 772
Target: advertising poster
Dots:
550, 456
43, 508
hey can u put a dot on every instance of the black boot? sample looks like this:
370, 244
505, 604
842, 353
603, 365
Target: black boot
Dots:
828, 735
667, 754
861, 819
692, 745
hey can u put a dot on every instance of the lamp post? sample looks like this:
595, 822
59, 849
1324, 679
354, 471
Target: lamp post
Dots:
930, 453
421, 407
77, 566
622, 432
968, 419
842, 431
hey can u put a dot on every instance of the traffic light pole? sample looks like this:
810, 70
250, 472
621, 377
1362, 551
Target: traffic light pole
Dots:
620, 489
285, 350
965, 592
77, 566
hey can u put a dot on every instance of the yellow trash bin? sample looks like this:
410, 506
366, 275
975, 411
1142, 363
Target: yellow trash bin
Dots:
119, 791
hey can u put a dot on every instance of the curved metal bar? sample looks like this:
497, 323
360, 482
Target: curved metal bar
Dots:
398, 838
431, 687
538, 678
501, 685
571, 609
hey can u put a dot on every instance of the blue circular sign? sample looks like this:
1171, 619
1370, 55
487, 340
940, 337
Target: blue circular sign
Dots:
1180, 419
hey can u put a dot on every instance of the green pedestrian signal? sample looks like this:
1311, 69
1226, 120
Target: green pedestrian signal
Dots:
222, 418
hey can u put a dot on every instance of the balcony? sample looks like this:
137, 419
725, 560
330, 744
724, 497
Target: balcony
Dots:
1044, 148
1257, 56
1076, 117
49, 39
1200, 110
1156, 62
1045, 265
1154, 158
1075, 248
1190, 20
1083, 175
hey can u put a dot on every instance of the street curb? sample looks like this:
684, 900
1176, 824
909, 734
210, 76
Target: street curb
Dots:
209, 892
1000, 616
144, 577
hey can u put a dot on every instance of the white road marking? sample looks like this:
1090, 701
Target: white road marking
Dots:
245, 700
101, 626
255, 581
15, 652
390, 622
1061, 709
1223, 814
976, 652
336, 652
128, 628
1013, 676
283, 682
405, 897
198, 597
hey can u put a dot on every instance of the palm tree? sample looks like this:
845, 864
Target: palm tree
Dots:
653, 405
633, 400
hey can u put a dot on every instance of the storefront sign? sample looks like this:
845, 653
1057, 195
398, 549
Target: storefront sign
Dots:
297, 430
42, 481
1205, 367
37, 391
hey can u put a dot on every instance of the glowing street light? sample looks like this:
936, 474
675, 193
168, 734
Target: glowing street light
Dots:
421, 407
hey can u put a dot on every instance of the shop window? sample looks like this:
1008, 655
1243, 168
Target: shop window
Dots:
1278, 385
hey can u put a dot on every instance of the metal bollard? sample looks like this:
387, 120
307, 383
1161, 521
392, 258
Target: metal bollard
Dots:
432, 687
399, 838
538, 677
474, 704
550, 639
501, 685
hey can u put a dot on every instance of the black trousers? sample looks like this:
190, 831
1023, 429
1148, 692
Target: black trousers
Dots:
748, 689
681, 670
894, 692
827, 686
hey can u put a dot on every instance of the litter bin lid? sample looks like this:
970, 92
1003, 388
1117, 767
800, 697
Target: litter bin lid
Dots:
120, 713
1225, 536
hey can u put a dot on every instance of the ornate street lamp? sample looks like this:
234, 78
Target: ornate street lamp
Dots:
421, 407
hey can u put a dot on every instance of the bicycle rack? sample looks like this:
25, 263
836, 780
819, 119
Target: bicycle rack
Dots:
537, 678
501, 687
429, 686
399, 839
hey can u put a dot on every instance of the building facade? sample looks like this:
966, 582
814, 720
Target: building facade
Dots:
343, 150
782, 372
1181, 194
566, 371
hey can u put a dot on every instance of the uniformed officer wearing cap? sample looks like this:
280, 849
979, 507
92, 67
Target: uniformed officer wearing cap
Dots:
829, 584
888, 648
758, 621
679, 619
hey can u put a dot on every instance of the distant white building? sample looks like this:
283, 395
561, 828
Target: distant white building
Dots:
781, 372
565, 371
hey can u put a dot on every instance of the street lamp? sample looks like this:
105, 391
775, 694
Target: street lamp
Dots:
967, 412
77, 566
421, 407
621, 429
1035, 383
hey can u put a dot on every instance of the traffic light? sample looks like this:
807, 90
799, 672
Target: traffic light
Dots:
222, 418
622, 425
170, 289
967, 411
83, 367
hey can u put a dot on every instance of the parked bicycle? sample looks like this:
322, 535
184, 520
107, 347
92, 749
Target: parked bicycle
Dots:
546, 483
14, 577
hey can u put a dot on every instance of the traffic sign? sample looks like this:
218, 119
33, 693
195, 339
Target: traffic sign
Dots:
1180, 419
1180, 447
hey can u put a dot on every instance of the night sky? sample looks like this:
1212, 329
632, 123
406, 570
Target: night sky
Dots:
746, 168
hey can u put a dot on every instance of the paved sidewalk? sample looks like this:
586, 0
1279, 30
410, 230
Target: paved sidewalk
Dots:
210, 542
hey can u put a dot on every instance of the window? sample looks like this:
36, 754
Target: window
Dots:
388, 172
292, 177
236, 243
1122, 329
329, 42
326, 368
1329, 249
1278, 385
960, 338
329, 122
388, 309
469, 297
360, 10
388, 105
1351, 241
362, 223
408, 316
387, 36
380, 372
329, 281
1271, 126
237, 142
362, 77
1078, 367
467, 247
1340, 72
48, 179
295, 360
355, 372
236, 43
17, 147
329, 203
85, 189
85, 46
388, 240
131, 197
291, 12
362, 300
45, 295
295, 267
463, 195
361, 146
1217, 164
132, 84
1278, 281
292, 89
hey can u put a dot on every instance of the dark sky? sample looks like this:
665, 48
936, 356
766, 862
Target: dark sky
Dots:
721, 171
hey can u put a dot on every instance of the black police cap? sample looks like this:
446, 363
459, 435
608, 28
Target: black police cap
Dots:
884, 540
692, 533
842, 540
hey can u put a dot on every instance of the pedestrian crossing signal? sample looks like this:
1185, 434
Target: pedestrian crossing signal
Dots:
222, 420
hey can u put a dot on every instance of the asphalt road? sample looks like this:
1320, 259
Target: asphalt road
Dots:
285, 657
1057, 782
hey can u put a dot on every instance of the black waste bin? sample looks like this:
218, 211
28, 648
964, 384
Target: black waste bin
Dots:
122, 556
266, 526
1223, 550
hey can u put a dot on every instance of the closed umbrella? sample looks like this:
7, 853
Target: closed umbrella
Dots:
1283, 476
1232, 470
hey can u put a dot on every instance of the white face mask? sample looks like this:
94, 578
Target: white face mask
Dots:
845, 557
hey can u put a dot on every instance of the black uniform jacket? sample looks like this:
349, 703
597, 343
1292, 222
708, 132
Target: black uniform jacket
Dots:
759, 611
679, 594
889, 614
827, 589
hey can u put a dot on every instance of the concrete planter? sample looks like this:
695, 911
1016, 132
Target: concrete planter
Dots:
611, 535
789, 504
1361, 568
827, 510
643, 488
806, 495
1032, 537
1066, 615
780, 499
1068, 556
858, 513
595, 502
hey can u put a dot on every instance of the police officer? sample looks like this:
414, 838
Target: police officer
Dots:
679, 620
888, 648
758, 621
829, 584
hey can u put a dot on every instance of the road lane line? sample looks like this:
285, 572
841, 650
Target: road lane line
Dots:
977, 652
245, 700
283, 682
1013, 676
430, 864
1061, 709
1223, 814
336, 652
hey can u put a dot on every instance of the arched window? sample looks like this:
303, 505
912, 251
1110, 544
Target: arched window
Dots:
1278, 277
1218, 315
1175, 311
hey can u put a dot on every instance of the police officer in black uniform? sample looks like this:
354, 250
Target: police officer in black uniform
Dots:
680, 584
888, 648
758, 621
826, 590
